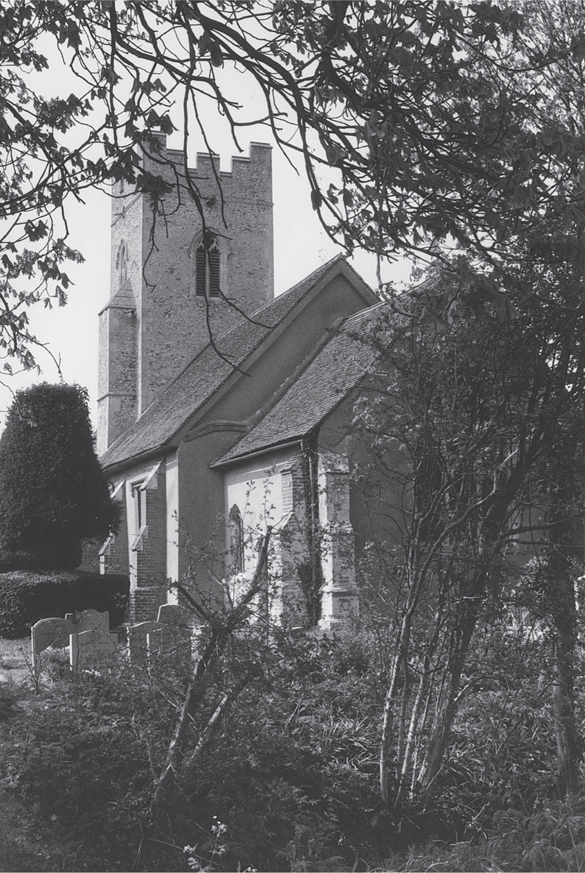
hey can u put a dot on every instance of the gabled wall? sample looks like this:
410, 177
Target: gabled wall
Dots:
201, 489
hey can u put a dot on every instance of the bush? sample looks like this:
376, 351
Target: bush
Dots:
288, 781
53, 491
27, 597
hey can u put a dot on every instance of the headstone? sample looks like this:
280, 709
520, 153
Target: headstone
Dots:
154, 642
138, 634
90, 619
171, 614
175, 629
92, 649
57, 631
49, 632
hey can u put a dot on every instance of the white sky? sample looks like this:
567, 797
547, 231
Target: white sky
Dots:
301, 245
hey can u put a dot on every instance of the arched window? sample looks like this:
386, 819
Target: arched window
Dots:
122, 264
207, 267
236, 543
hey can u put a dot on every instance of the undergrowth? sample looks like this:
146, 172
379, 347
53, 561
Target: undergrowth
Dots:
290, 779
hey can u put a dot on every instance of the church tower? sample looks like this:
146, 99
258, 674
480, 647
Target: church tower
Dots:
176, 279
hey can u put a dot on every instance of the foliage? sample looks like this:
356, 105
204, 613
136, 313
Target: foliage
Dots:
435, 120
444, 119
473, 425
287, 781
286, 774
53, 492
27, 597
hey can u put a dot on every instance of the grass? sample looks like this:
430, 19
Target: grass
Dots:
20, 847
15, 659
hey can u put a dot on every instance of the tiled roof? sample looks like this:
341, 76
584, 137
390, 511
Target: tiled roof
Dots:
187, 393
334, 371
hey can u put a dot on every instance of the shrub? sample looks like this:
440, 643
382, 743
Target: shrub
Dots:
53, 492
27, 597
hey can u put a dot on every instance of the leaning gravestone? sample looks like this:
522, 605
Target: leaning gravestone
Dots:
49, 632
92, 649
56, 632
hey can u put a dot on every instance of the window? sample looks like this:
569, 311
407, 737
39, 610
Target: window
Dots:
138, 492
236, 543
122, 264
207, 268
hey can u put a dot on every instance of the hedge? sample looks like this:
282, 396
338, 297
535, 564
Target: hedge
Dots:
26, 597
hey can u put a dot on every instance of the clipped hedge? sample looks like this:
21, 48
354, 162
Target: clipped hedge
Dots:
27, 596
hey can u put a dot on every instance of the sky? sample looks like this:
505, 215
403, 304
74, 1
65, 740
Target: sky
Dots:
71, 332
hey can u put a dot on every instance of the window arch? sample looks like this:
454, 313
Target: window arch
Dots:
122, 263
236, 540
208, 267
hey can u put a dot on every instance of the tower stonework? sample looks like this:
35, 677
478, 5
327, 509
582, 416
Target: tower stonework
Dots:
155, 321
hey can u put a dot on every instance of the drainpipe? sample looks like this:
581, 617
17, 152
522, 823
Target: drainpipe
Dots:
310, 456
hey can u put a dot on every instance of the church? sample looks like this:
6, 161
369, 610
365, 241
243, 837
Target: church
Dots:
224, 410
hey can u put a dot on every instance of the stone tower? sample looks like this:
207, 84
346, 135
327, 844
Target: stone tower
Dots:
172, 282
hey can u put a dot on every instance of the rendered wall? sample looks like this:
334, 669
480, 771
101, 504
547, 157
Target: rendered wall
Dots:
201, 490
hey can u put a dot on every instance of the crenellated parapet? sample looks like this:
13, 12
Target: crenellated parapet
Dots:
156, 256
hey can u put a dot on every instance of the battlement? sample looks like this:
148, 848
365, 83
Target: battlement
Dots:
252, 172
259, 153
156, 274
257, 163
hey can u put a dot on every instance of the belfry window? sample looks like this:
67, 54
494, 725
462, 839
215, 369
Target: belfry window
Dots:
236, 543
122, 264
207, 268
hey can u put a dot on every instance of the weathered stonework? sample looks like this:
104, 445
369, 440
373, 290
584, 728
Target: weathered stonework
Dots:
154, 323
340, 593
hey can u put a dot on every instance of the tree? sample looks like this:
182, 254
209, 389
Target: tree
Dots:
474, 429
438, 121
53, 492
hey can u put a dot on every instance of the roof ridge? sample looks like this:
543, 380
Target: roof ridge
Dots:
292, 378
364, 312
248, 319
309, 278
271, 430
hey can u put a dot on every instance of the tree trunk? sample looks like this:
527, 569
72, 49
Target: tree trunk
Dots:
559, 580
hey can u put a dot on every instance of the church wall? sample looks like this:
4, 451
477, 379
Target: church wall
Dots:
119, 326
269, 491
256, 487
376, 506
175, 322
146, 565
201, 507
202, 499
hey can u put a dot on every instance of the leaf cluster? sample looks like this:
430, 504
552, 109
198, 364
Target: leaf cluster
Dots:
439, 122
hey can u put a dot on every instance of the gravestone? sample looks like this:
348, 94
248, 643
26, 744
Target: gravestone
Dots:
154, 641
171, 614
92, 649
174, 631
56, 632
90, 619
169, 634
138, 640
49, 632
